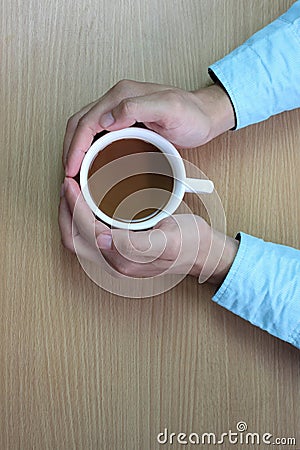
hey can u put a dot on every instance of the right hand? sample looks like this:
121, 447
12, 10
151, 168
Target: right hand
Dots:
187, 119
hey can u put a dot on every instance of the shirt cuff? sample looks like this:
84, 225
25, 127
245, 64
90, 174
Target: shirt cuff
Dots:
262, 76
263, 287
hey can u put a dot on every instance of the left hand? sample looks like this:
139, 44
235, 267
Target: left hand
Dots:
180, 244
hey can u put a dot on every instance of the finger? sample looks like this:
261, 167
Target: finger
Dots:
85, 251
158, 109
112, 261
90, 123
87, 126
121, 266
65, 225
72, 240
82, 216
70, 130
139, 247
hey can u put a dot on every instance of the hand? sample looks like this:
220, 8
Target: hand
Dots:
187, 119
182, 244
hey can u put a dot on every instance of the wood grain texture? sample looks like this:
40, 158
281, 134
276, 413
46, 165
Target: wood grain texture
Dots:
84, 369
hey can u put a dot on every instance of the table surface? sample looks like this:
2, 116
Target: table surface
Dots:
80, 367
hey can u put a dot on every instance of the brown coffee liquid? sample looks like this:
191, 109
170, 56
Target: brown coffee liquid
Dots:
130, 180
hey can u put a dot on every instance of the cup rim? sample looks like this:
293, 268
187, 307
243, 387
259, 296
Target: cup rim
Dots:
158, 141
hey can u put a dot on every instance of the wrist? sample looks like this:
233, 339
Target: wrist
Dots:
226, 257
215, 256
216, 104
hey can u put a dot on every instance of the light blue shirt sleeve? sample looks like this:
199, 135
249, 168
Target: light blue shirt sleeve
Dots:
263, 287
262, 76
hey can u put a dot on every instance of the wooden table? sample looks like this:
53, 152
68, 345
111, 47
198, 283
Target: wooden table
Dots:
85, 369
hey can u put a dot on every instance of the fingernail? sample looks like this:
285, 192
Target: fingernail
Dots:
107, 120
105, 241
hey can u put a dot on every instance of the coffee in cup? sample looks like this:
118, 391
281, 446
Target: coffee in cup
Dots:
154, 174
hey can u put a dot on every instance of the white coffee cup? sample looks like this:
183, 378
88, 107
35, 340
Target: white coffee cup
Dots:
181, 183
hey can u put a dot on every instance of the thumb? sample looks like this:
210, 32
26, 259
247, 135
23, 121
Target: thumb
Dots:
149, 108
136, 246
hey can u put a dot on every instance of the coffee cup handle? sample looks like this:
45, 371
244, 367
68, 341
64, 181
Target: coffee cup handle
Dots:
199, 186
